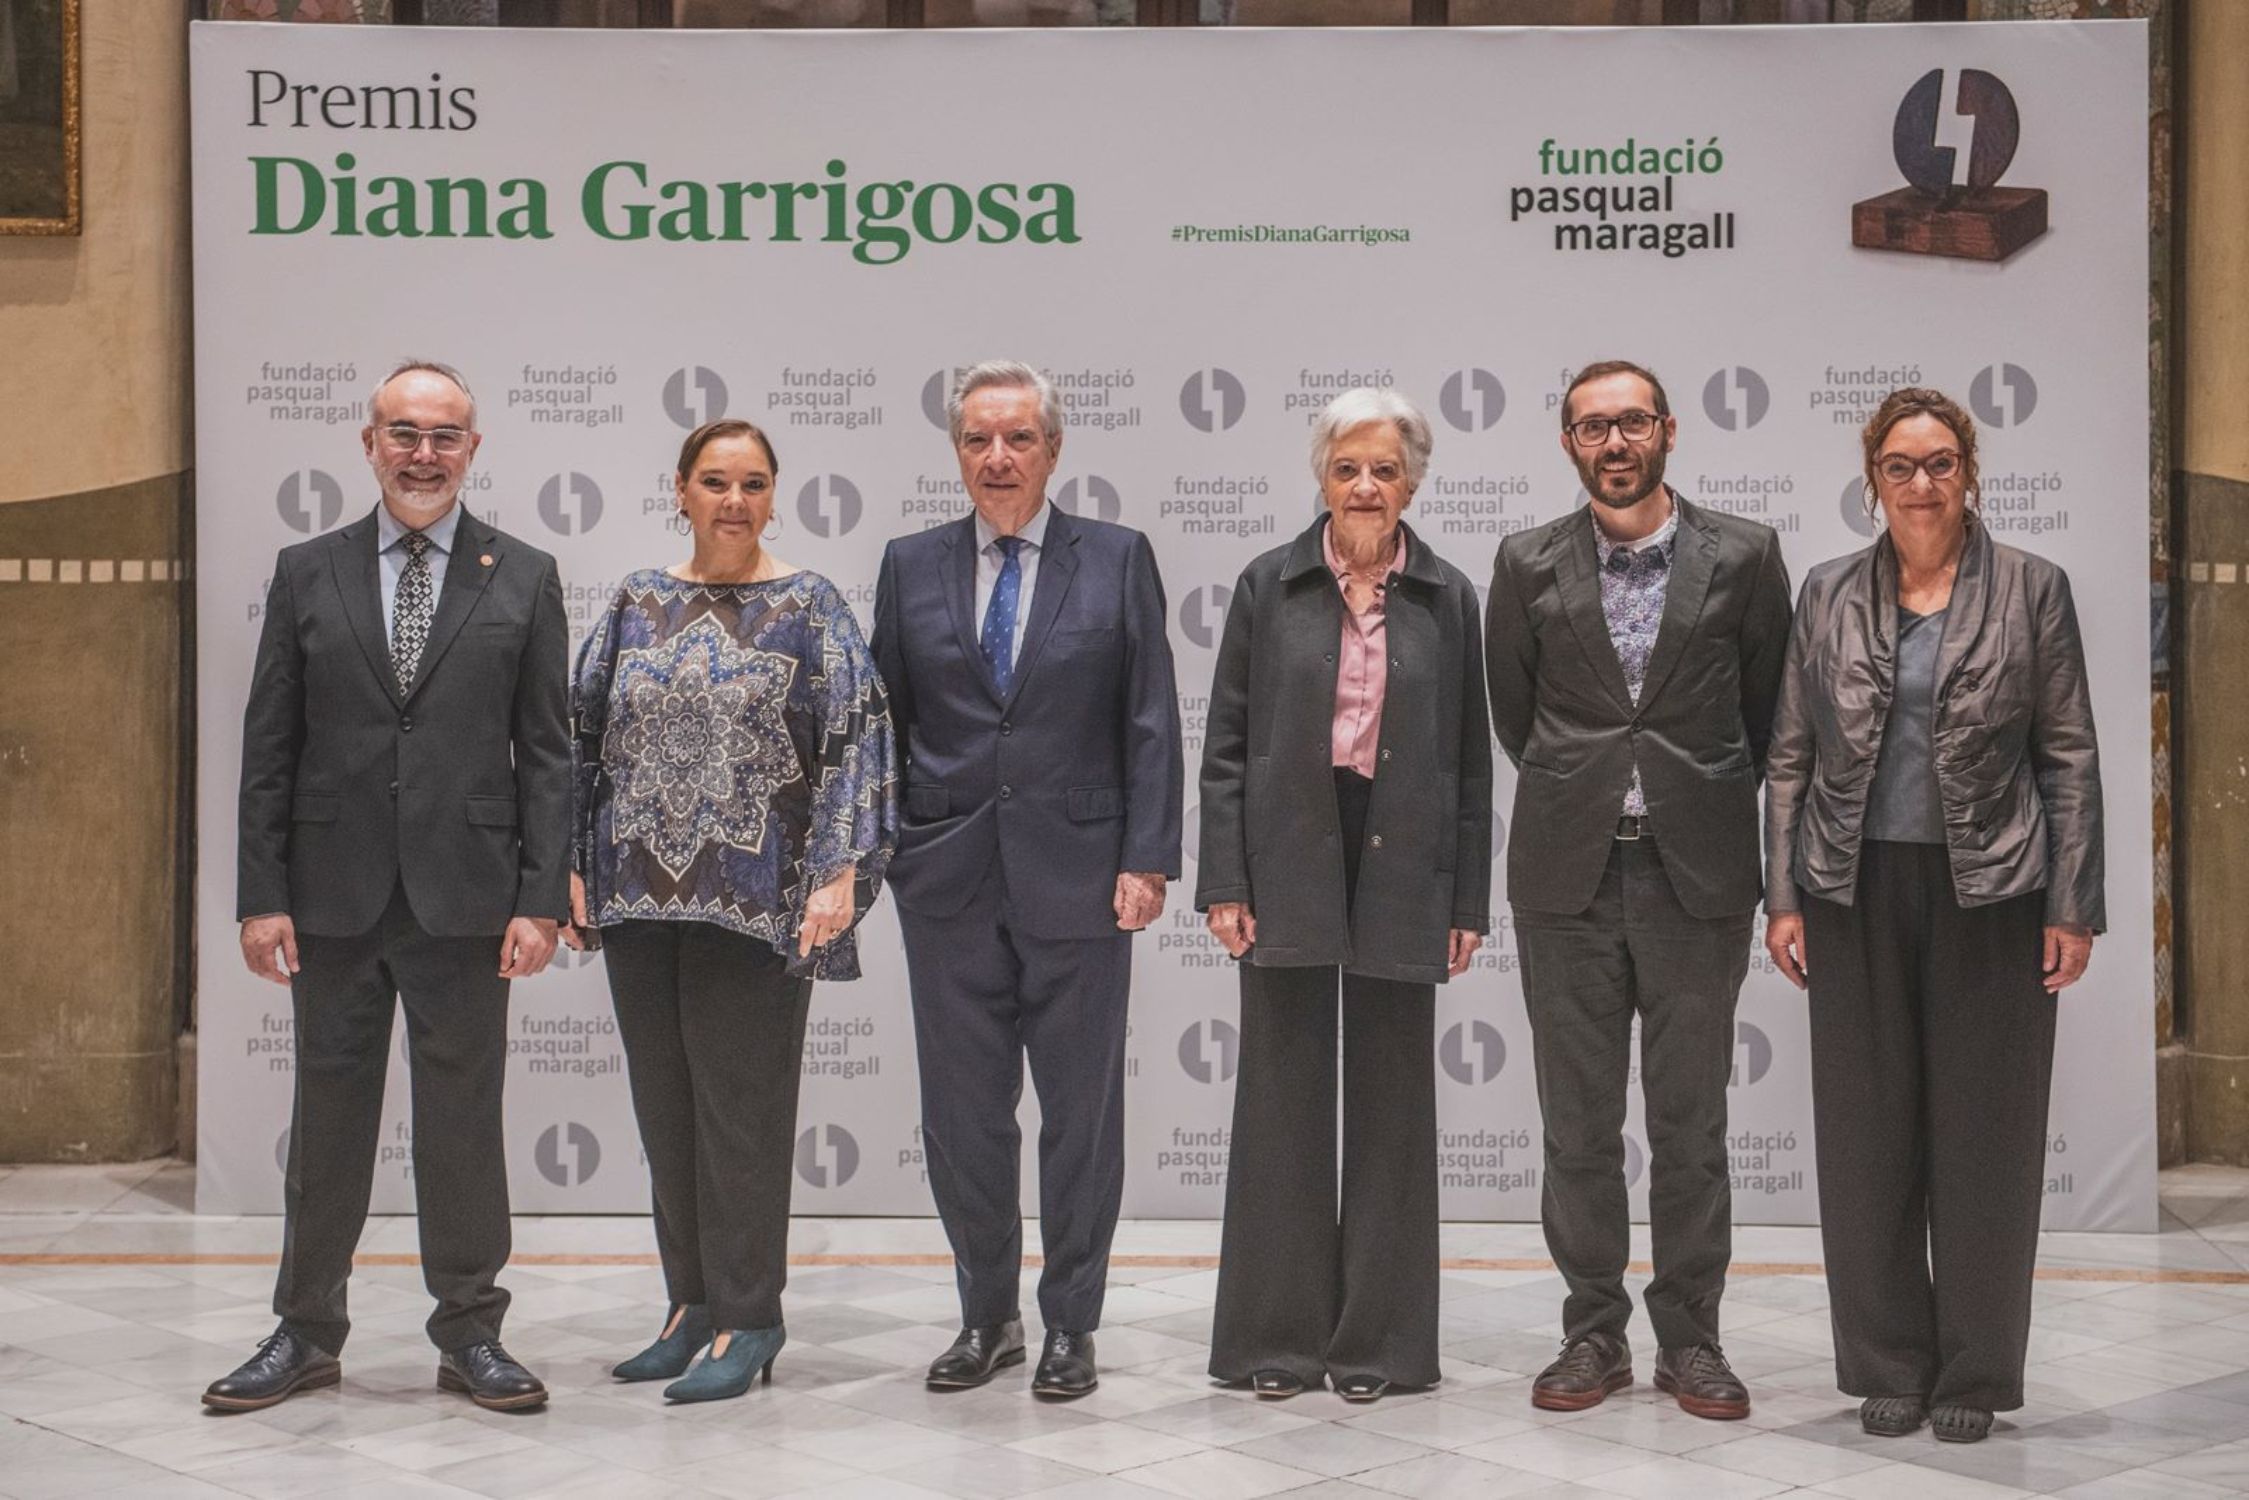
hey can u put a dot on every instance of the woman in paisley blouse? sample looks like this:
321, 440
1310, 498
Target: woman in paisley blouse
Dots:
736, 803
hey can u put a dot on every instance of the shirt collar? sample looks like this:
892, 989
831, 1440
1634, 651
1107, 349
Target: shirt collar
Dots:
1335, 559
1033, 533
389, 531
1662, 537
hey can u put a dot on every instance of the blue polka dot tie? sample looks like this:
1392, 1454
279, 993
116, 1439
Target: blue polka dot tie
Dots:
998, 640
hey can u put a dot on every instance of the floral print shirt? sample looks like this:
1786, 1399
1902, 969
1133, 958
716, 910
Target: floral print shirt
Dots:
1635, 576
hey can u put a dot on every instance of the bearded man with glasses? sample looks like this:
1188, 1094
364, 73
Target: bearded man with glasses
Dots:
1634, 649
403, 839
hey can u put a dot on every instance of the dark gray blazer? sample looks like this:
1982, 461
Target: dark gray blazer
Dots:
2018, 770
1072, 777
459, 786
1567, 720
1269, 828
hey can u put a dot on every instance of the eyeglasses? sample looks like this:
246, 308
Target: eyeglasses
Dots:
1636, 426
1899, 470
405, 437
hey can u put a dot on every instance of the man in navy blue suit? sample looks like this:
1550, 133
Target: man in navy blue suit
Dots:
1031, 683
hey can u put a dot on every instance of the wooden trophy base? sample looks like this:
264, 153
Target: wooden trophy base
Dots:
1987, 224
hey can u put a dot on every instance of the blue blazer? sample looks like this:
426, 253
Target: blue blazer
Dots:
1072, 777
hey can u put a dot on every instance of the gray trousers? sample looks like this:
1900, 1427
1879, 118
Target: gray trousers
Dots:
1636, 952
456, 1006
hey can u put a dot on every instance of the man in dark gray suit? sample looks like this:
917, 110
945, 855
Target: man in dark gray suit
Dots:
1634, 649
1031, 684
404, 816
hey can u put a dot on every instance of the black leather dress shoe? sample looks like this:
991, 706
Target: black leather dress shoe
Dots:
1362, 1388
485, 1374
285, 1364
977, 1355
1065, 1366
1592, 1367
1703, 1384
1275, 1385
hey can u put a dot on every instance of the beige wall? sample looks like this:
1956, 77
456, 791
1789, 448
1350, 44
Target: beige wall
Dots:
93, 380
2214, 256
94, 452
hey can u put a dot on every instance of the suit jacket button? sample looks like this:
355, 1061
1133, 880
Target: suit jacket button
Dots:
1385, 755
394, 789
1006, 728
1006, 792
406, 726
1375, 842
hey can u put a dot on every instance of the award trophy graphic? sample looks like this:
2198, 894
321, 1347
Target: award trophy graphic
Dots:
1939, 214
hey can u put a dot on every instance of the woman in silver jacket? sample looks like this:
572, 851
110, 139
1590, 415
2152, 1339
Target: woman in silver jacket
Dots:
1933, 857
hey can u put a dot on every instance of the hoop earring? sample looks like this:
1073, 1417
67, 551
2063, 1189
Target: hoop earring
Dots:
772, 528
1867, 499
680, 523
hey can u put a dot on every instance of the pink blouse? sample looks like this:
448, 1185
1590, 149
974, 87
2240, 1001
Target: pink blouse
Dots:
1362, 670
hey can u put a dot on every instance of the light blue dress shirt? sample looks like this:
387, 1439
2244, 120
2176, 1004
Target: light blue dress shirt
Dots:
390, 554
988, 560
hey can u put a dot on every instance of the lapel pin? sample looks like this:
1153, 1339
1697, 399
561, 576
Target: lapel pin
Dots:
486, 559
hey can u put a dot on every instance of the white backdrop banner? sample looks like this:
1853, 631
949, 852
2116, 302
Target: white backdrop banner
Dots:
1203, 236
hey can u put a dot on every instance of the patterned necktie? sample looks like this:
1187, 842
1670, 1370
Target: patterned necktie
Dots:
998, 640
411, 609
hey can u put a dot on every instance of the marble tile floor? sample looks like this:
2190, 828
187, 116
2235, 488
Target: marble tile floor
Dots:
117, 1303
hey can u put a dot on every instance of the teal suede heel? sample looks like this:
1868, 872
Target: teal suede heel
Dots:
669, 1357
749, 1353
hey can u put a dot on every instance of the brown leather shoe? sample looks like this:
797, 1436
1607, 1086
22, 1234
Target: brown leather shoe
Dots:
1589, 1368
1703, 1382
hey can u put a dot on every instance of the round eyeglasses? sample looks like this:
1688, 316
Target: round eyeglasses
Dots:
1899, 470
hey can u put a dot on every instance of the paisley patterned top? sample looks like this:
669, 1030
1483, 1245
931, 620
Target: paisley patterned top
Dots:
733, 753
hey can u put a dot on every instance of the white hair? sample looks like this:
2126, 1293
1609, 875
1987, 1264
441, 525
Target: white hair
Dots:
408, 367
1368, 403
1005, 372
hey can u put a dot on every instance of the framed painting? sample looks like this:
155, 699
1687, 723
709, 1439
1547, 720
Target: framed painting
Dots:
39, 116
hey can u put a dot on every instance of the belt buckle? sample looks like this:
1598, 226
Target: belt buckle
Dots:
1628, 829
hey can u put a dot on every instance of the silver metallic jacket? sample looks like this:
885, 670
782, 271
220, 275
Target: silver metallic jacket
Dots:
2018, 771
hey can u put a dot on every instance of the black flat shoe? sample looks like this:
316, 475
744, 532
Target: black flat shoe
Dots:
1362, 1388
486, 1374
977, 1355
285, 1364
1066, 1369
1892, 1416
1275, 1385
1953, 1423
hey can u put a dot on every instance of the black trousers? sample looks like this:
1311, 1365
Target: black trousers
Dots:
1932, 1056
986, 995
1303, 1287
1636, 951
713, 1026
344, 993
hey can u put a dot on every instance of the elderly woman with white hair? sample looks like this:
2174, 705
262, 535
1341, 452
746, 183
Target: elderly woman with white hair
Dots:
1346, 843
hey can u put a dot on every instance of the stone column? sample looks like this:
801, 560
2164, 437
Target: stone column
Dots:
2212, 454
